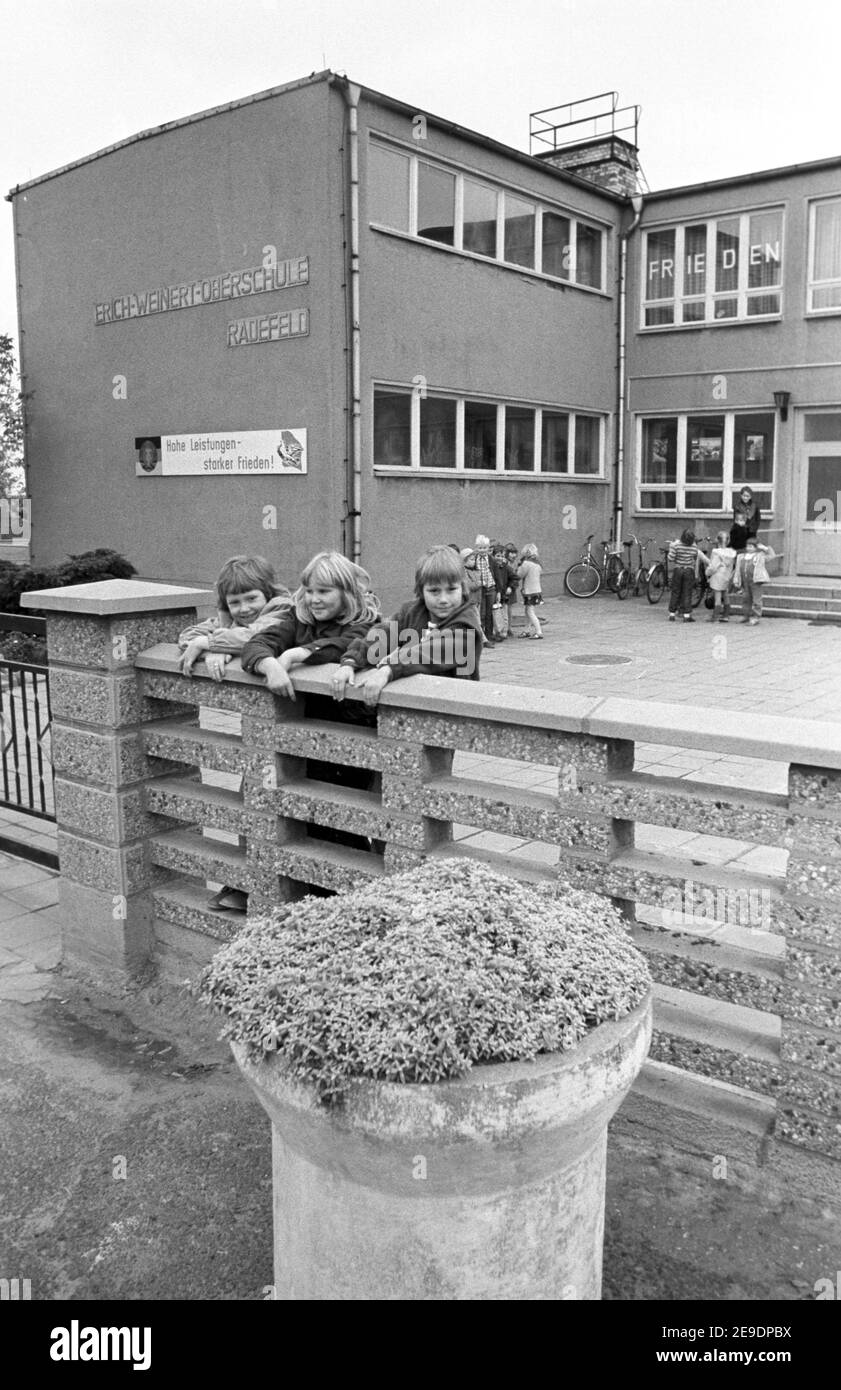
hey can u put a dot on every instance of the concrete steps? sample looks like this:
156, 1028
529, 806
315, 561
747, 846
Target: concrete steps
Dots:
811, 600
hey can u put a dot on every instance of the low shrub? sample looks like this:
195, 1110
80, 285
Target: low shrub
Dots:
419, 975
86, 568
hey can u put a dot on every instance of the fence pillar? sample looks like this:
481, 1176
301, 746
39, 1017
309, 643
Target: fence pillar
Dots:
94, 633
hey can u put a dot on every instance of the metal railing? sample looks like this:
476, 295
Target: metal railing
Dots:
26, 772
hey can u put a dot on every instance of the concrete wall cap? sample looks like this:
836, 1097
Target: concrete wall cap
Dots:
812, 742
109, 597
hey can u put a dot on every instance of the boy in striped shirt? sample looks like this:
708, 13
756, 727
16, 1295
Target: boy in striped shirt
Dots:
684, 557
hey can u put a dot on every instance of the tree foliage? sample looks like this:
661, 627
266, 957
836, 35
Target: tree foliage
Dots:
11, 420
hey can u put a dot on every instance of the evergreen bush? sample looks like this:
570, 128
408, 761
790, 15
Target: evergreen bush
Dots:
417, 976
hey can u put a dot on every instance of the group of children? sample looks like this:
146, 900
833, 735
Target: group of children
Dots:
334, 617
736, 565
497, 571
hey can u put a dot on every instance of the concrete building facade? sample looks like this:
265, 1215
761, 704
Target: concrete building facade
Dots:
318, 318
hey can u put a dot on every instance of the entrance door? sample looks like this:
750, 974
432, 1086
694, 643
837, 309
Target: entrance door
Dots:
819, 513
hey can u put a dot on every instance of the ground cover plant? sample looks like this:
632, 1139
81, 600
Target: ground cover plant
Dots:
418, 976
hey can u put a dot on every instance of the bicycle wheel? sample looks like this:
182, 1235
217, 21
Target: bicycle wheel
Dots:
613, 569
623, 584
639, 581
656, 586
582, 580
697, 592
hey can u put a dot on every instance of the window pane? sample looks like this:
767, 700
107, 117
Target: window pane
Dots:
437, 433
436, 204
479, 218
695, 311
660, 265
827, 241
556, 245
727, 256
555, 443
388, 188
705, 449
663, 314
765, 249
817, 428
763, 304
694, 260
657, 501
588, 244
479, 435
753, 449
392, 429
726, 308
659, 453
587, 444
702, 501
519, 439
519, 231
827, 298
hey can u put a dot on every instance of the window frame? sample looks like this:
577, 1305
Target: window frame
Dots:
416, 469
726, 487
500, 189
813, 284
743, 293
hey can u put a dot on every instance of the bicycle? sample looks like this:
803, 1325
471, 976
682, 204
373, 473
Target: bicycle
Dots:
586, 576
659, 578
634, 581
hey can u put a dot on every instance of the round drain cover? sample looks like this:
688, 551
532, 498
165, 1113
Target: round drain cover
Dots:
599, 659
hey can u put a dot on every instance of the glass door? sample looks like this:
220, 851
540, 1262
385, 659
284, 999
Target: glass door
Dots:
819, 519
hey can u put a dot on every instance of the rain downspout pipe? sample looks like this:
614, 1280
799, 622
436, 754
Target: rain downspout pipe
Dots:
351, 92
636, 204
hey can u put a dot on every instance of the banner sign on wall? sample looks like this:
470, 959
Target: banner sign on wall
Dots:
224, 455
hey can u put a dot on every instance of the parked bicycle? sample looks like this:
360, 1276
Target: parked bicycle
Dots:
660, 578
587, 575
634, 581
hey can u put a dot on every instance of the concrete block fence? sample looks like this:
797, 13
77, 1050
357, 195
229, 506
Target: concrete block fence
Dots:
748, 1003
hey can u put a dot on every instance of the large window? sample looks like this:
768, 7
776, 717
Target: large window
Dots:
410, 193
431, 432
698, 463
825, 257
723, 270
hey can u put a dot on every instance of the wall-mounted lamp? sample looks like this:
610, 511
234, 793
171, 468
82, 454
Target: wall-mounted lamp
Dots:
781, 400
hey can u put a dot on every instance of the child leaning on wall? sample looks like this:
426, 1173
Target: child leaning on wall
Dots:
249, 597
437, 633
720, 576
332, 608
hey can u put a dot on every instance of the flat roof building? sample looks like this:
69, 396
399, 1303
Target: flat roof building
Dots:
318, 318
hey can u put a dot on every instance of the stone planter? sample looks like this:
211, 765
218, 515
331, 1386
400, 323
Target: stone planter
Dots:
488, 1187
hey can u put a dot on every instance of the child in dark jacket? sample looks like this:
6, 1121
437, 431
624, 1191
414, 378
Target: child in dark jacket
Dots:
437, 633
332, 607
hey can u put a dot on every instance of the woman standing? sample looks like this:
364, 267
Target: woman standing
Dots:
753, 516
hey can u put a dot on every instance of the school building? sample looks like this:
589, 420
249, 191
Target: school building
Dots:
319, 318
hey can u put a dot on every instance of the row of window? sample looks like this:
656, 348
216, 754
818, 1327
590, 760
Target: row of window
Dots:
455, 434
411, 194
728, 269
717, 270
687, 463
694, 463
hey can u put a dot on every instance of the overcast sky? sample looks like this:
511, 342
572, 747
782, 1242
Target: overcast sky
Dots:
725, 86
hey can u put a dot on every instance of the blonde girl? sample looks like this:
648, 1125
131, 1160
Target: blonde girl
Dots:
529, 570
332, 606
249, 598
